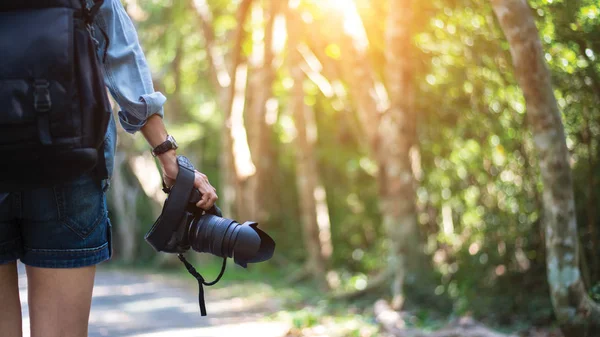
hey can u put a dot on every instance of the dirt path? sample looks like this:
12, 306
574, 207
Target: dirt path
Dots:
134, 305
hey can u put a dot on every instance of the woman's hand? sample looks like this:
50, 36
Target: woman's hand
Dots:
168, 162
155, 133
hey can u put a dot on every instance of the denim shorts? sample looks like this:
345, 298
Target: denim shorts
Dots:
65, 226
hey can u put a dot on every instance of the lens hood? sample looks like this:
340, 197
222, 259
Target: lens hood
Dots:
257, 245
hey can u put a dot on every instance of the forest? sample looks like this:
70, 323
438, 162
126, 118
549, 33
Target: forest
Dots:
421, 162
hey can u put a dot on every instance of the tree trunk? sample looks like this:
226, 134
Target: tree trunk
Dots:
389, 124
306, 166
362, 84
591, 202
257, 194
575, 311
397, 137
236, 163
123, 198
125, 206
177, 107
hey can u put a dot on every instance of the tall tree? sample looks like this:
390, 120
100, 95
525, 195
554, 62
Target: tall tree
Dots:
124, 196
397, 136
236, 162
576, 312
262, 76
317, 240
389, 122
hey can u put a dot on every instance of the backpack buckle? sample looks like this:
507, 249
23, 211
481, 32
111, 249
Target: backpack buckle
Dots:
41, 96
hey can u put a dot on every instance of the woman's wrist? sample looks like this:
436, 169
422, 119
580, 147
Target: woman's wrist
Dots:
155, 133
168, 162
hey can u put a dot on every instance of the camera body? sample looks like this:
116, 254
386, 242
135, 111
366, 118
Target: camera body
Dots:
182, 226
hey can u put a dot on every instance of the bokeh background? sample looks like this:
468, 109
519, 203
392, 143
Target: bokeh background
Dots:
364, 138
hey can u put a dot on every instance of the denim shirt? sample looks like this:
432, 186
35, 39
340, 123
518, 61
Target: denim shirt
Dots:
126, 74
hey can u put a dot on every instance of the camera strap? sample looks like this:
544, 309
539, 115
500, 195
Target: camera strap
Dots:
201, 281
179, 195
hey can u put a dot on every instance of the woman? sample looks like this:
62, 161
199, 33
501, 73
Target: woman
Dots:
62, 233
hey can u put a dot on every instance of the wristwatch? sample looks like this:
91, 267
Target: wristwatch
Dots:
169, 144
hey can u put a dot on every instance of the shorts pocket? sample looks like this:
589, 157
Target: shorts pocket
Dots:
81, 205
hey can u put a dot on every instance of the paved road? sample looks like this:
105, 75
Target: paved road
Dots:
132, 305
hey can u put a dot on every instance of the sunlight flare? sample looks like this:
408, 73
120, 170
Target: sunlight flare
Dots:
353, 25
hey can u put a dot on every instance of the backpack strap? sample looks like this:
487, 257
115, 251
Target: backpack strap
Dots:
89, 13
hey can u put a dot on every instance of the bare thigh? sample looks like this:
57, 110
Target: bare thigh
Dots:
10, 315
59, 301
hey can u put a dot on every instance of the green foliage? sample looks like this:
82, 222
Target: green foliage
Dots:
479, 190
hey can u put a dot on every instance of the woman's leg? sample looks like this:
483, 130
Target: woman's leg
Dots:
65, 233
59, 301
10, 314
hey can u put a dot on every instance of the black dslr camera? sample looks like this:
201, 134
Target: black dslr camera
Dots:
182, 226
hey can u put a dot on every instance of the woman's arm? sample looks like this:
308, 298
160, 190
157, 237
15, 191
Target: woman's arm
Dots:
129, 80
126, 71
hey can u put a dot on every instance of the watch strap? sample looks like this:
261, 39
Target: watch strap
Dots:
165, 146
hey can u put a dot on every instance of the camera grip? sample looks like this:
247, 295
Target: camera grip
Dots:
197, 196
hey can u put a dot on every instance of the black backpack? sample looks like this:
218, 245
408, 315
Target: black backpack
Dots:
54, 109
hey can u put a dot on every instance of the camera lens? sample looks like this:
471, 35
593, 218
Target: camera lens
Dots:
223, 237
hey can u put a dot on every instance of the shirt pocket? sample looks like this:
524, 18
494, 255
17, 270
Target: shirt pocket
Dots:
81, 204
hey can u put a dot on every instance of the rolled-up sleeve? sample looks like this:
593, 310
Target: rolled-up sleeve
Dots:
125, 68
